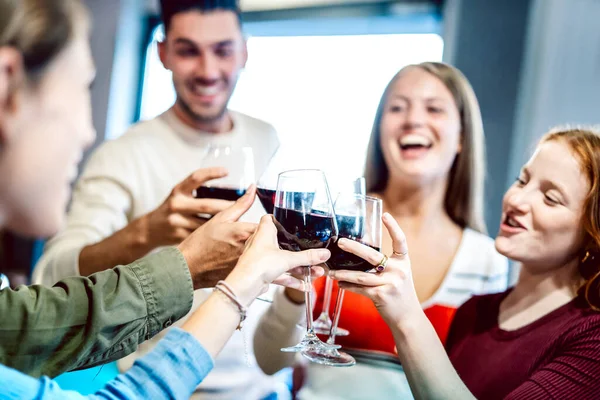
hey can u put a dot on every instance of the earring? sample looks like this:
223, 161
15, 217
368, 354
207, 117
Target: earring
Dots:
586, 256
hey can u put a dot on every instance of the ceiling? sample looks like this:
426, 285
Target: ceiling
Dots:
262, 5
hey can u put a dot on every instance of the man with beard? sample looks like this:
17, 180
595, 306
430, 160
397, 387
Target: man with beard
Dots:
133, 196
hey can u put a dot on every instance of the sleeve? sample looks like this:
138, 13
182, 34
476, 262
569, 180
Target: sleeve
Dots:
84, 322
101, 204
572, 374
172, 371
276, 329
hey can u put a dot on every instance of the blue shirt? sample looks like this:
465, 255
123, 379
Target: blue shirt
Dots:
171, 371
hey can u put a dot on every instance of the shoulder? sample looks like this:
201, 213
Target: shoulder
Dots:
253, 125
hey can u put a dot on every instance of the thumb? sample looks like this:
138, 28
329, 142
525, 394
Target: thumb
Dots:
198, 177
239, 208
306, 258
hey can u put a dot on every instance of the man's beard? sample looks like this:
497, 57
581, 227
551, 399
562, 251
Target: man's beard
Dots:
204, 119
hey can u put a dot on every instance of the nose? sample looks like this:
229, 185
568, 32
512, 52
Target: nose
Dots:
208, 70
415, 116
518, 200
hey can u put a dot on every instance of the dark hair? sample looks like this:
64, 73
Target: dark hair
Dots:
171, 7
38, 29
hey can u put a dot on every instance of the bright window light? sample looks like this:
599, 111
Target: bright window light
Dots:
320, 92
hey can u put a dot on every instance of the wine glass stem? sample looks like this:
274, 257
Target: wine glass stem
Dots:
336, 316
307, 300
326, 300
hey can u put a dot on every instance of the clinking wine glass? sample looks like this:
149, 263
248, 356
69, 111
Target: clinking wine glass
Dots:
305, 220
239, 162
358, 218
322, 325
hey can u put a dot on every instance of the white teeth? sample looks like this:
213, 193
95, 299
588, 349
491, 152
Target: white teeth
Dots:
205, 90
512, 222
415, 140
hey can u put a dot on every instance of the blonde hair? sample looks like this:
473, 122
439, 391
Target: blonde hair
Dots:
38, 29
464, 196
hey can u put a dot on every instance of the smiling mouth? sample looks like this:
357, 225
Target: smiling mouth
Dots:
509, 221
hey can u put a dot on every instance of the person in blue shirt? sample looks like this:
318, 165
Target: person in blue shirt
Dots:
185, 356
45, 125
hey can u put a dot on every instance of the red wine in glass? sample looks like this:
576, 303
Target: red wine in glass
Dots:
297, 231
207, 192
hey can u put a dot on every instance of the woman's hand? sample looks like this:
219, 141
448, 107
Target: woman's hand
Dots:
392, 289
263, 262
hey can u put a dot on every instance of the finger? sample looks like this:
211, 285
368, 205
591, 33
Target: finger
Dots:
306, 258
191, 206
290, 282
367, 253
242, 231
266, 233
198, 177
180, 221
358, 278
362, 290
315, 271
239, 208
399, 244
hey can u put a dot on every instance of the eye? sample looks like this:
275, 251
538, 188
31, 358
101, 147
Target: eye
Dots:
396, 108
187, 52
551, 200
224, 52
520, 181
435, 110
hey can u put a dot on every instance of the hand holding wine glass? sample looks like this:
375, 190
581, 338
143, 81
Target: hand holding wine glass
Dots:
239, 163
305, 220
391, 288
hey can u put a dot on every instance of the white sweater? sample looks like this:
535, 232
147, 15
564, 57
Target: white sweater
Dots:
131, 176
476, 269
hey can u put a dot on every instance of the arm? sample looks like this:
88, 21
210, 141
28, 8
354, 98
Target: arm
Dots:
83, 322
277, 329
100, 232
423, 357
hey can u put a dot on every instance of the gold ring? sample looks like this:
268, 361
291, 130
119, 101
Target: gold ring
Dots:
381, 266
397, 253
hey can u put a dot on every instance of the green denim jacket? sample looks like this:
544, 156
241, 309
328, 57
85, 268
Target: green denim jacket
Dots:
83, 322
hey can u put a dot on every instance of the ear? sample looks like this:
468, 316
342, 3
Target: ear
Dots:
11, 77
244, 52
460, 142
162, 52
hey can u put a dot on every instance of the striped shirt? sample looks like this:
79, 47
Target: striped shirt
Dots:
554, 357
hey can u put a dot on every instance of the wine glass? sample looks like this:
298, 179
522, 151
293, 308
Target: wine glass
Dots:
358, 218
322, 324
239, 162
305, 220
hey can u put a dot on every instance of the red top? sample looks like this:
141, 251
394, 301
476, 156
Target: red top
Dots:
368, 330
557, 356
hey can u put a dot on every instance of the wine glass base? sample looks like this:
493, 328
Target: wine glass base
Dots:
329, 357
327, 331
309, 342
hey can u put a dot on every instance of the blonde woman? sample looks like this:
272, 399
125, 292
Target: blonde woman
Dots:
426, 162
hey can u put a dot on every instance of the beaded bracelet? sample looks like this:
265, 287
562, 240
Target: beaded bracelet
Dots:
224, 288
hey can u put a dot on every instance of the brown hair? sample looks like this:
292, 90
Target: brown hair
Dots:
38, 29
584, 142
464, 196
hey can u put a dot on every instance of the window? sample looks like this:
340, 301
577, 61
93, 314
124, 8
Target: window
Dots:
320, 92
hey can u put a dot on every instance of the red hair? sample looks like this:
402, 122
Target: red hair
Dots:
585, 144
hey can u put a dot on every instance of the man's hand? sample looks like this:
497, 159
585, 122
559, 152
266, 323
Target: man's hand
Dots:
177, 217
213, 249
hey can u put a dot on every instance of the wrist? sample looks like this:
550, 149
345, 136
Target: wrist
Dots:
405, 329
246, 289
